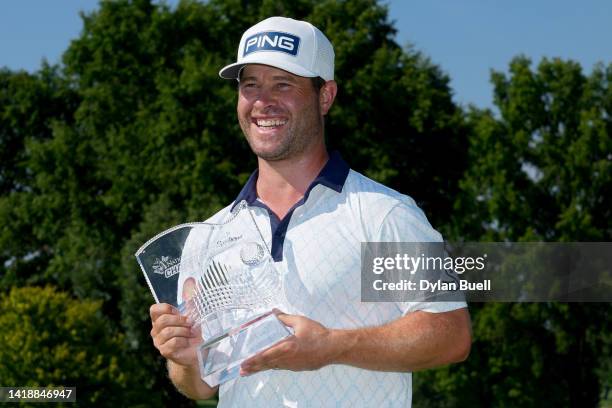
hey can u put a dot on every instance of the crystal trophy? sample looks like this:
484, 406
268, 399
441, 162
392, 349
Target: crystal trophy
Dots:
222, 276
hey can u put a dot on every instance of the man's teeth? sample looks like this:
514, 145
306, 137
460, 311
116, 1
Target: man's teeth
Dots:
271, 122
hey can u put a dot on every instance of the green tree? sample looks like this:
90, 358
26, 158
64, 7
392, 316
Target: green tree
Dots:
540, 171
50, 339
543, 170
29, 106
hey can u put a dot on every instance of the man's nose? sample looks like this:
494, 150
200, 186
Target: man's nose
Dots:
264, 99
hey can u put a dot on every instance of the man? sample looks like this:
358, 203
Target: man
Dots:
344, 352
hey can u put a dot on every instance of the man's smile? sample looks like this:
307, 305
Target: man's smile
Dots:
269, 123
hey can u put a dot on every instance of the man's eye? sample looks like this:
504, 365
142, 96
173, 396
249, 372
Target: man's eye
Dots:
283, 85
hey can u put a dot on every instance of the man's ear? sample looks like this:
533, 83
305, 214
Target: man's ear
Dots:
327, 95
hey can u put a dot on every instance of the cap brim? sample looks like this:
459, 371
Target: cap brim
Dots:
231, 71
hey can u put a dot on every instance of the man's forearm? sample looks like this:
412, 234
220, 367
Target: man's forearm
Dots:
187, 380
414, 342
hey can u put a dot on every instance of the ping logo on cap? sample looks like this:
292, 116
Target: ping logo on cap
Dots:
271, 41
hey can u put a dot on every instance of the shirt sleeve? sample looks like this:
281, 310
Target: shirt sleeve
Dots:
406, 222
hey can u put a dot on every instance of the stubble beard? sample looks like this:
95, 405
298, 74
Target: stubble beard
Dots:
297, 139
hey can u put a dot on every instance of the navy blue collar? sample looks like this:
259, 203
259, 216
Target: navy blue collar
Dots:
332, 175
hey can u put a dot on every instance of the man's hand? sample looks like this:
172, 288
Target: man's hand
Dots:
177, 340
174, 337
310, 348
413, 342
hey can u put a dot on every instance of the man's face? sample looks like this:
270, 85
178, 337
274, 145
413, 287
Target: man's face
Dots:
278, 112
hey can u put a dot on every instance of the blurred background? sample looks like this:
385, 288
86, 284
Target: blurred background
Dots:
495, 117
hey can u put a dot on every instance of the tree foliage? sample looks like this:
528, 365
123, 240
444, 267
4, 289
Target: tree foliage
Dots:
51, 339
541, 170
551, 147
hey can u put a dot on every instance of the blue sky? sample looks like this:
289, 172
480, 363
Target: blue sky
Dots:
466, 38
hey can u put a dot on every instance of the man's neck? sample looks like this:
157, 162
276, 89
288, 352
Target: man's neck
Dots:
281, 184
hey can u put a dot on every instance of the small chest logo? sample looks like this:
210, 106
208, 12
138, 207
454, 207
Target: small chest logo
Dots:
272, 41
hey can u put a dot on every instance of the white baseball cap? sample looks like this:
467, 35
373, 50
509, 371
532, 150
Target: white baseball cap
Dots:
291, 45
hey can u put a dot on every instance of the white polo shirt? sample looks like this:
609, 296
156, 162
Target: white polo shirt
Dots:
317, 249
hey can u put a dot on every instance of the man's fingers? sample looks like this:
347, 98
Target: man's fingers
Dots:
169, 320
270, 358
288, 320
174, 347
173, 335
255, 368
168, 333
283, 348
160, 309
271, 361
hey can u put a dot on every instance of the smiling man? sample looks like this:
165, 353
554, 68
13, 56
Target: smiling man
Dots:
344, 352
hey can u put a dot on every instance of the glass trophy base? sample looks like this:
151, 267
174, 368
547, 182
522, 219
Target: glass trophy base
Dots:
220, 357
